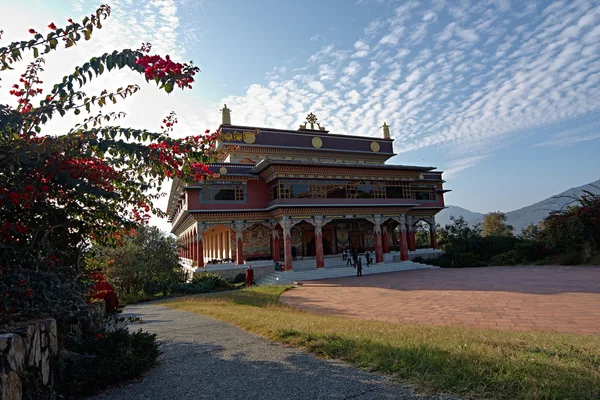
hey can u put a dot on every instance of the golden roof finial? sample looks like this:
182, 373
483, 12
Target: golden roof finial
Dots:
312, 120
225, 115
386, 131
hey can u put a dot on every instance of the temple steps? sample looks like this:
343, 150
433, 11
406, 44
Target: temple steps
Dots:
305, 270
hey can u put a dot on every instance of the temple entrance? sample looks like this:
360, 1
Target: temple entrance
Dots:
308, 243
356, 241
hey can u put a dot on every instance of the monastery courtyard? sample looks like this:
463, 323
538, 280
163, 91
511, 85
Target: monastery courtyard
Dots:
556, 299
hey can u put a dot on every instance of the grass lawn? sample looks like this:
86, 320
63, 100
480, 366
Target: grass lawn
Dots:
464, 361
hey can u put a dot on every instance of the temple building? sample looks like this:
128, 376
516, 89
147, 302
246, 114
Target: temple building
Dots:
284, 195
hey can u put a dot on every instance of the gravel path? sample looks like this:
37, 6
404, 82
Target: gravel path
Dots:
208, 359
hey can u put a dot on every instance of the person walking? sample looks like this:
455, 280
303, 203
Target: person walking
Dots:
249, 276
355, 257
368, 258
359, 267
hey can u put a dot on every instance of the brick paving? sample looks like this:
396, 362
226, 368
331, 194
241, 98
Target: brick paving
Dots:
558, 299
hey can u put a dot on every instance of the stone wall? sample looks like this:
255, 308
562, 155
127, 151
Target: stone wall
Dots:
30, 349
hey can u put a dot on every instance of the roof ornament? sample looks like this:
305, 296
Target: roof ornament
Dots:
386, 131
312, 120
225, 115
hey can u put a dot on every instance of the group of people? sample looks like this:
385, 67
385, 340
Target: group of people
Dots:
354, 260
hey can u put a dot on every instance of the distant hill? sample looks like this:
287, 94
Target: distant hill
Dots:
443, 217
522, 217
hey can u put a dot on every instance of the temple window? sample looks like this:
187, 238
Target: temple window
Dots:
324, 189
231, 193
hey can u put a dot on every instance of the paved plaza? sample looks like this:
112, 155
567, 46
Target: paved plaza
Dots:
558, 299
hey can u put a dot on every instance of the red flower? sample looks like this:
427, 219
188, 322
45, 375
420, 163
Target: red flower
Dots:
22, 282
28, 188
71, 21
52, 26
99, 336
32, 31
28, 292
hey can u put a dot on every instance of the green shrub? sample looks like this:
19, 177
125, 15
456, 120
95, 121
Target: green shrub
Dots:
191, 288
216, 281
495, 245
106, 359
530, 250
469, 259
568, 258
543, 261
239, 278
508, 258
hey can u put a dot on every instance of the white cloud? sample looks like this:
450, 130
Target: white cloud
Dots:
362, 49
353, 97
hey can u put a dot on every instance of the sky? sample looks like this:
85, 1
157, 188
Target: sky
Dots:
501, 95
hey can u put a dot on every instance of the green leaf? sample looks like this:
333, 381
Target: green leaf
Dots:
36, 53
77, 111
169, 86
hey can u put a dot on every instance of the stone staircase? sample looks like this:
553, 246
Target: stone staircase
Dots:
305, 270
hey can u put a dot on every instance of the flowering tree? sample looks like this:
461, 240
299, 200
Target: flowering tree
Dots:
92, 183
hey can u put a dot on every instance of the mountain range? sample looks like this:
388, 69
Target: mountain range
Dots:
522, 217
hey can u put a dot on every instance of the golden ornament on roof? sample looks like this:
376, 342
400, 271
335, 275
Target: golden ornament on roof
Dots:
375, 147
317, 142
249, 137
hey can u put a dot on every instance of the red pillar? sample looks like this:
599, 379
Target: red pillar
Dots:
194, 249
378, 245
412, 242
276, 250
386, 245
403, 245
287, 245
320, 257
187, 247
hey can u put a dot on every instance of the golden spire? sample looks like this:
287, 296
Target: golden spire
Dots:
225, 115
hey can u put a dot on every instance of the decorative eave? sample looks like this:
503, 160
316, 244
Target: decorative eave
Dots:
229, 148
311, 132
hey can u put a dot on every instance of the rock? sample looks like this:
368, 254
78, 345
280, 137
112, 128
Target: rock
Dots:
35, 350
10, 386
14, 352
45, 367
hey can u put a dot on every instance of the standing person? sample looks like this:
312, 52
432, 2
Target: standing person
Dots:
368, 258
249, 276
294, 252
355, 257
359, 267
344, 254
348, 259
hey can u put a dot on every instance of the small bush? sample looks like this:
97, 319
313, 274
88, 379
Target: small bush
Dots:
107, 359
216, 281
508, 258
239, 278
568, 258
531, 250
543, 261
191, 288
